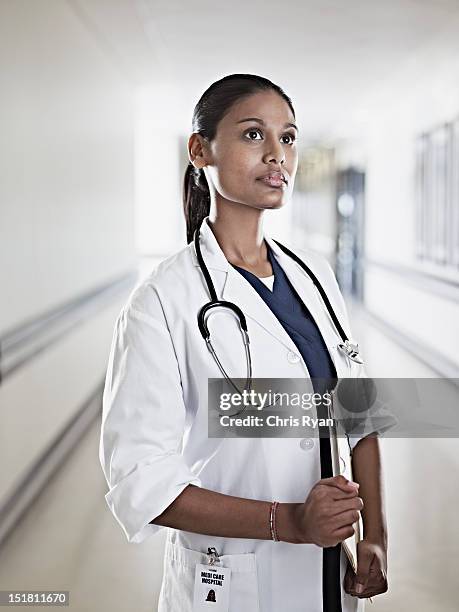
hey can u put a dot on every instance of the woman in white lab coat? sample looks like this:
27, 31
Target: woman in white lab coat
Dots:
161, 467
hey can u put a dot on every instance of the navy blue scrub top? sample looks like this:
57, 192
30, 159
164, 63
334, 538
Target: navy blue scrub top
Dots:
298, 322
296, 319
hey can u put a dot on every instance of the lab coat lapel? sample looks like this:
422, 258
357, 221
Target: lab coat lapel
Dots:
308, 294
311, 298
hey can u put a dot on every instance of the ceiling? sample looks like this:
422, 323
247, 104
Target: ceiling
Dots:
328, 55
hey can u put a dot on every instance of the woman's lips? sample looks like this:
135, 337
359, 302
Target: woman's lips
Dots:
273, 181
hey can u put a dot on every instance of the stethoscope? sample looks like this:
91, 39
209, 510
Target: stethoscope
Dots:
351, 350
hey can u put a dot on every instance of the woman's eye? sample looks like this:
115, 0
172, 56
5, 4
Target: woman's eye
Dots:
291, 136
253, 132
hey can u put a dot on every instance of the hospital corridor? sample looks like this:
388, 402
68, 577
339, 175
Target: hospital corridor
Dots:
96, 111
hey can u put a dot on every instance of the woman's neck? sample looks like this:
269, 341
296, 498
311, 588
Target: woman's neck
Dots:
240, 236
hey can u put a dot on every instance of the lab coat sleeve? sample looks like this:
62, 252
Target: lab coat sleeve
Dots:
143, 419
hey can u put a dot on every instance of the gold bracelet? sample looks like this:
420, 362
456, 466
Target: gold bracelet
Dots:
272, 521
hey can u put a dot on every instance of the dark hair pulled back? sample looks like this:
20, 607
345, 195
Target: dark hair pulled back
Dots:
213, 105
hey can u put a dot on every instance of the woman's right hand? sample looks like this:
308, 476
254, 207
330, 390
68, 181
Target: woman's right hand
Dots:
329, 512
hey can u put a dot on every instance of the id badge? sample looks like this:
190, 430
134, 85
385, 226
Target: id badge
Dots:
211, 587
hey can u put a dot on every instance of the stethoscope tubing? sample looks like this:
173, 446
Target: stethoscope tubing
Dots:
352, 351
214, 301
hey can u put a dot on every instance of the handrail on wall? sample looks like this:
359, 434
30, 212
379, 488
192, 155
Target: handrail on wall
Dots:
22, 343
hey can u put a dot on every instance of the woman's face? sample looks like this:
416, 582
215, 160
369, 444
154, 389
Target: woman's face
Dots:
254, 139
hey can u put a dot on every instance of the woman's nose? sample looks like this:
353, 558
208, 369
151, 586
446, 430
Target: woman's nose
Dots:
274, 151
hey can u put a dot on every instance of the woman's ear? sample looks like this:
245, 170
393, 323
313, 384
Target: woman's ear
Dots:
198, 150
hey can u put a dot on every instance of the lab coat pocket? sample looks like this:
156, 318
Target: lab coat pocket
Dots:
179, 575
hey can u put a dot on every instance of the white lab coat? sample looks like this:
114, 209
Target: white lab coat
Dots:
154, 426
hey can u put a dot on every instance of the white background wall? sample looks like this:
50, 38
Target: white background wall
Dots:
66, 160
420, 94
66, 211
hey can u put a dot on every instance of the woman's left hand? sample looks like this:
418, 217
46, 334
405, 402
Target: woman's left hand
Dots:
371, 577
